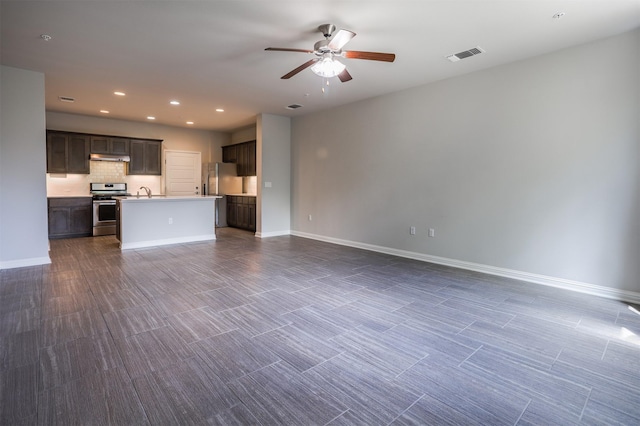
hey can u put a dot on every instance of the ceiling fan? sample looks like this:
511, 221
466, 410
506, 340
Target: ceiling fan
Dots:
325, 64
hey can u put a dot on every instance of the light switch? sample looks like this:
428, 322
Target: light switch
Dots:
267, 184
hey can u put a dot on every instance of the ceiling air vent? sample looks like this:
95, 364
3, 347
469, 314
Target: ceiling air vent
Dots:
66, 99
466, 54
294, 106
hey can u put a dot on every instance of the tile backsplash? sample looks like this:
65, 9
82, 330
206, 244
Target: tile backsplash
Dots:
250, 185
100, 171
107, 171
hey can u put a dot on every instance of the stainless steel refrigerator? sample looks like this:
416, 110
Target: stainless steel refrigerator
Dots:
222, 179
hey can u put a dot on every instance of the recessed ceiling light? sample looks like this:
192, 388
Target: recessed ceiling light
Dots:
559, 15
46, 37
219, 110
119, 93
104, 111
150, 117
189, 122
174, 103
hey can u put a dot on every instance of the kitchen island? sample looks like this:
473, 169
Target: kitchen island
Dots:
161, 220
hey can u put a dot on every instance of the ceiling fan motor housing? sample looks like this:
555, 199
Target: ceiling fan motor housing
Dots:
321, 47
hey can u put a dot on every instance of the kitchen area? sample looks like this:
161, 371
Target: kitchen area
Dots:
91, 176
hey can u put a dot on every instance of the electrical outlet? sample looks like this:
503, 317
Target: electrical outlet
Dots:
412, 230
432, 232
170, 221
310, 218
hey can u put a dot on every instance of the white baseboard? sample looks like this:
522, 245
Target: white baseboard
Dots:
21, 263
272, 234
166, 241
577, 286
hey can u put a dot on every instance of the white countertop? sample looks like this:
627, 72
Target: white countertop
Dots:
144, 198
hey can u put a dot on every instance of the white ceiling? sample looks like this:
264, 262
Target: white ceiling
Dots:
210, 54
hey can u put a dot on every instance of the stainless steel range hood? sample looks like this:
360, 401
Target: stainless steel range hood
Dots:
110, 157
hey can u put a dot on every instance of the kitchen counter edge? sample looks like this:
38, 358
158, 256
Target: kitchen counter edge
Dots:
167, 198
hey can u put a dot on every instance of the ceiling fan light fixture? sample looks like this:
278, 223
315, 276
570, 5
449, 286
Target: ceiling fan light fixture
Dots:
328, 67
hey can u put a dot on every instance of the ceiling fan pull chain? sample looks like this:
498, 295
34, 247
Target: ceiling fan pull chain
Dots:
325, 86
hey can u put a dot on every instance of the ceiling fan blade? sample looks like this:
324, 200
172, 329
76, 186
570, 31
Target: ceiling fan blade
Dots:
300, 68
372, 56
285, 49
344, 76
341, 38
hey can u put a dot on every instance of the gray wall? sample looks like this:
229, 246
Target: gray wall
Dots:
23, 193
531, 166
244, 134
274, 160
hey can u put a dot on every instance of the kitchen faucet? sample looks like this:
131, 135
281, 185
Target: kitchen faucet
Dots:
147, 190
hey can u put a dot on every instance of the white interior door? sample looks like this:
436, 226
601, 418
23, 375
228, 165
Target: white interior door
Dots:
182, 173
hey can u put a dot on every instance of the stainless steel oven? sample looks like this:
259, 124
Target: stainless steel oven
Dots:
104, 206
104, 217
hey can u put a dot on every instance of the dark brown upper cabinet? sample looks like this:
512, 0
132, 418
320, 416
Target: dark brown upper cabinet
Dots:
145, 157
244, 155
109, 145
68, 153
229, 154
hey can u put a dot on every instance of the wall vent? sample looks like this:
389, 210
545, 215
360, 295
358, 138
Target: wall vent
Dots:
294, 106
66, 99
466, 54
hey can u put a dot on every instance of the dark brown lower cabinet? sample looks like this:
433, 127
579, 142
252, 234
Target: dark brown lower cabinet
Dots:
70, 217
241, 212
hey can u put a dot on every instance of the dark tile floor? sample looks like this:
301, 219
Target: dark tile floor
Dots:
292, 331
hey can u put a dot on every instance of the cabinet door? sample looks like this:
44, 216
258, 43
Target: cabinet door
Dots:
118, 146
242, 159
56, 153
81, 219
252, 217
229, 154
243, 214
78, 154
231, 211
152, 158
136, 165
251, 159
59, 221
99, 145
